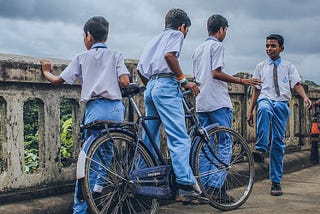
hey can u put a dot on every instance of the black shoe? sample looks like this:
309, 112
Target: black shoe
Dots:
258, 155
276, 189
220, 195
187, 194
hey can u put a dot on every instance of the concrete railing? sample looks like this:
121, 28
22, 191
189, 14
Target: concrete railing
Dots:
21, 80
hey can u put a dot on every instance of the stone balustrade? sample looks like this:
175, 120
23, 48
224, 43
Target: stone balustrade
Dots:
21, 80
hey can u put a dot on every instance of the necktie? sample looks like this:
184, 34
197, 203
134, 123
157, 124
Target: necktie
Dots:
275, 79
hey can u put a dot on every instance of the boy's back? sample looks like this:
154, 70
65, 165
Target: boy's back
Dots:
99, 69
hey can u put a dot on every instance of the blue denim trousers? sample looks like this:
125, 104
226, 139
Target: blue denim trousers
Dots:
98, 110
272, 115
222, 148
163, 98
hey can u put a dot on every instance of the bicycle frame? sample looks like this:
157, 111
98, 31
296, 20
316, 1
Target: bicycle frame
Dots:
141, 121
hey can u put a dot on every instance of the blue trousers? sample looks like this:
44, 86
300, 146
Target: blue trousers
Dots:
222, 148
163, 98
98, 110
272, 115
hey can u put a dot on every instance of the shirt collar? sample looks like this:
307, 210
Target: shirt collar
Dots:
99, 45
212, 38
277, 61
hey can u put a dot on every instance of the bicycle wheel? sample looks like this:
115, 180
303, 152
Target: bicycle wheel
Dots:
224, 168
107, 168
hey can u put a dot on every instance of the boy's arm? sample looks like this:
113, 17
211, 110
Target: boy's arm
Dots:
46, 70
219, 75
300, 90
124, 81
173, 64
253, 104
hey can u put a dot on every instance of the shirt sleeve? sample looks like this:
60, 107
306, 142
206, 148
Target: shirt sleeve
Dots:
257, 74
175, 43
72, 72
121, 67
294, 76
217, 55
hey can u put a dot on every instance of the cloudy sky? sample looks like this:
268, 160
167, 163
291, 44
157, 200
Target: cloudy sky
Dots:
53, 28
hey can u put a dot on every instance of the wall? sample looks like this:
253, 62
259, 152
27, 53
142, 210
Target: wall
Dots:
21, 80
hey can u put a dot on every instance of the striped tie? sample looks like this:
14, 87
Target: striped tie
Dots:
275, 79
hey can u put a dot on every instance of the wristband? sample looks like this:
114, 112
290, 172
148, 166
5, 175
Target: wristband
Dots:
184, 81
240, 80
181, 77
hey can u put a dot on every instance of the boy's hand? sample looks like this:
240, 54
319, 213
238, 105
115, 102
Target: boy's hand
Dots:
46, 65
193, 87
250, 119
307, 103
251, 82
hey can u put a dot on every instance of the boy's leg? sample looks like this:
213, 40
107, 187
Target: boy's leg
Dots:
277, 148
79, 204
167, 98
153, 125
98, 110
264, 116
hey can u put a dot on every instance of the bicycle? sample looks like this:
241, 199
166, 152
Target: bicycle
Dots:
132, 179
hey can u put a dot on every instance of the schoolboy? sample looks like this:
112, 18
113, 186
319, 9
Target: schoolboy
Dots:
278, 77
160, 70
102, 73
213, 104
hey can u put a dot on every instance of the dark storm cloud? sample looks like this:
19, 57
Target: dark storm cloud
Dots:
53, 28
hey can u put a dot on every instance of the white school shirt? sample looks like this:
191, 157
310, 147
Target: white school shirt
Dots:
152, 59
213, 95
288, 77
98, 70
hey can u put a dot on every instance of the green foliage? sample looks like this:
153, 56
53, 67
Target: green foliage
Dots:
66, 149
66, 138
31, 136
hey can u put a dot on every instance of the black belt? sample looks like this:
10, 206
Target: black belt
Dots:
96, 98
162, 75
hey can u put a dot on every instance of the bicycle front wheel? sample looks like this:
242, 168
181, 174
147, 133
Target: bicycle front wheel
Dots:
224, 168
106, 185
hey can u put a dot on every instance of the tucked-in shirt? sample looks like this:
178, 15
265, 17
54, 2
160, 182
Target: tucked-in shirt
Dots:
152, 59
213, 93
288, 77
99, 70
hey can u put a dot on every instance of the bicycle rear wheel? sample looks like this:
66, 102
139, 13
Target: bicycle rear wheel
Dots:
106, 185
224, 170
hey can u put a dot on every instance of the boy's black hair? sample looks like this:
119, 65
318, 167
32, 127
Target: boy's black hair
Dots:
277, 37
98, 27
176, 18
215, 22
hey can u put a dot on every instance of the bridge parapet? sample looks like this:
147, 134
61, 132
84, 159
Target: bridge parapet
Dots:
21, 81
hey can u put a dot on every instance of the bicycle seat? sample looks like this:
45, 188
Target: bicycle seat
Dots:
132, 89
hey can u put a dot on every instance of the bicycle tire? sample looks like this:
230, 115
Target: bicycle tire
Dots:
226, 186
111, 174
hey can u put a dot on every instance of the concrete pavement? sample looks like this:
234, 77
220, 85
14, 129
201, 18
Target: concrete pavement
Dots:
301, 195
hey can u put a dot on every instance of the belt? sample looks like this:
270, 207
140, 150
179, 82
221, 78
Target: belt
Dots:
162, 75
96, 98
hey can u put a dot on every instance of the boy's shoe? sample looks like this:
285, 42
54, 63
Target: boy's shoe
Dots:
276, 189
258, 155
187, 194
220, 195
